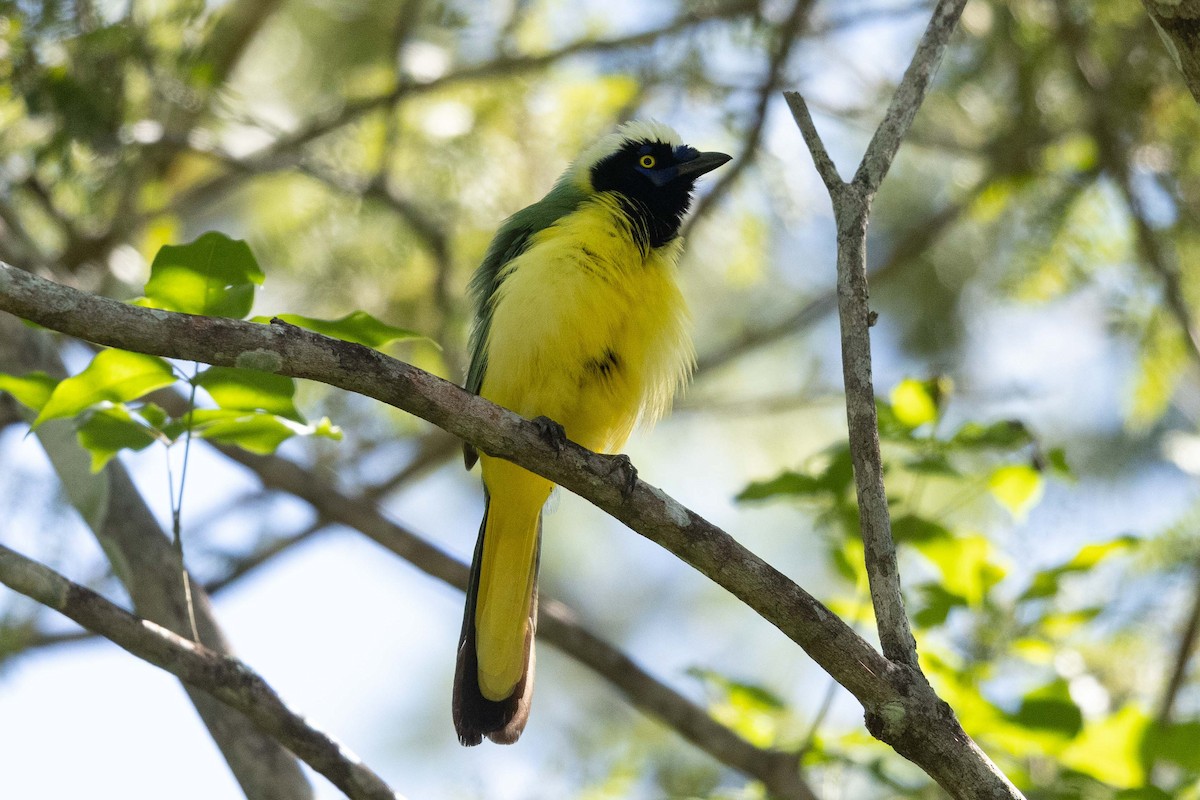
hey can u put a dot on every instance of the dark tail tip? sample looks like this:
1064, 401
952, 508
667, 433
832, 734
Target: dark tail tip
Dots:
475, 716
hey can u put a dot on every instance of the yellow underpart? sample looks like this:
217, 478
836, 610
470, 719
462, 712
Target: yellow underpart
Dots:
589, 330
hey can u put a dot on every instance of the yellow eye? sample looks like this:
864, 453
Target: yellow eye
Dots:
647, 162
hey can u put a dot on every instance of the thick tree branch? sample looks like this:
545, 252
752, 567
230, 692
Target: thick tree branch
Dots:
901, 708
224, 677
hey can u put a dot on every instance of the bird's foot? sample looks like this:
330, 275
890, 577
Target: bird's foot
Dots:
629, 474
551, 432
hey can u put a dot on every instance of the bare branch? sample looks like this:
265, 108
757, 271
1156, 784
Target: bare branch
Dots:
224, 677
852, 208
824, 164
1184, 649
909, 96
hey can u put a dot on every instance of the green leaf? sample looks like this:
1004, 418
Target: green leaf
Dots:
937, 605
255, 431
1045, 583
154, 415
31, 390
1050, 708
1178, 743
214, 276
357, 326
108, 431
250, 390
115, 376
787, 483
914, 529
966, 564
932, 464
1107, 749
1007, 435
1017, 487
914, 402
751, 710
1056, 459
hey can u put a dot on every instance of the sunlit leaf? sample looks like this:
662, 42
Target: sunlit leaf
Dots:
31, 390
250, 390
115, 376
1045, 583
1017, 487
1107, 749
214, 276
255, 431
108, 431
967, 565
1163, 356
358, 326
750, 709
154, 415
914, 403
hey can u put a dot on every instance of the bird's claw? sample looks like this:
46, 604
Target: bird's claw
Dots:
629, 473
551, 432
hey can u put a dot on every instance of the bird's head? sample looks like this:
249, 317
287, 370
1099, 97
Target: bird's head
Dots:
651, 173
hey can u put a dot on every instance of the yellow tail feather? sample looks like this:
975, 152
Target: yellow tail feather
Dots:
507, 574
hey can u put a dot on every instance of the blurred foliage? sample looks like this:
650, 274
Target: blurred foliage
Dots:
364, 152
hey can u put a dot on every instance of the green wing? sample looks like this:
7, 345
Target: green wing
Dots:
510, 241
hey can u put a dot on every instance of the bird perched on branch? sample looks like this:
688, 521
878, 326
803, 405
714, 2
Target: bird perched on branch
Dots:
580, 326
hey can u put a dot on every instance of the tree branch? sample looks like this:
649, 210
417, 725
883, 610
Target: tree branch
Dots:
144, 561
1178, 22
852, 205
557, 626
901, 708
852, 208
224, 677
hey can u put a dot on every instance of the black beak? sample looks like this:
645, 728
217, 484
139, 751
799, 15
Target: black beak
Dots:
702, 163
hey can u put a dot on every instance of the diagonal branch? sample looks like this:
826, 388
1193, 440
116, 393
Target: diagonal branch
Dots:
557, 625
786, 38
901, 708
224, 677
147, 566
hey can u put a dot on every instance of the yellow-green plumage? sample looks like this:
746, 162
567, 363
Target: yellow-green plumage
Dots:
580, 320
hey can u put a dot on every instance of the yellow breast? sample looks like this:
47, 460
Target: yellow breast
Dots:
589, 329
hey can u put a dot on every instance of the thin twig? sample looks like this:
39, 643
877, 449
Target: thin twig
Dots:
820, 156
1184, 649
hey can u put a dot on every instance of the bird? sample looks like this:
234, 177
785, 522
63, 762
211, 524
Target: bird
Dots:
580, 326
